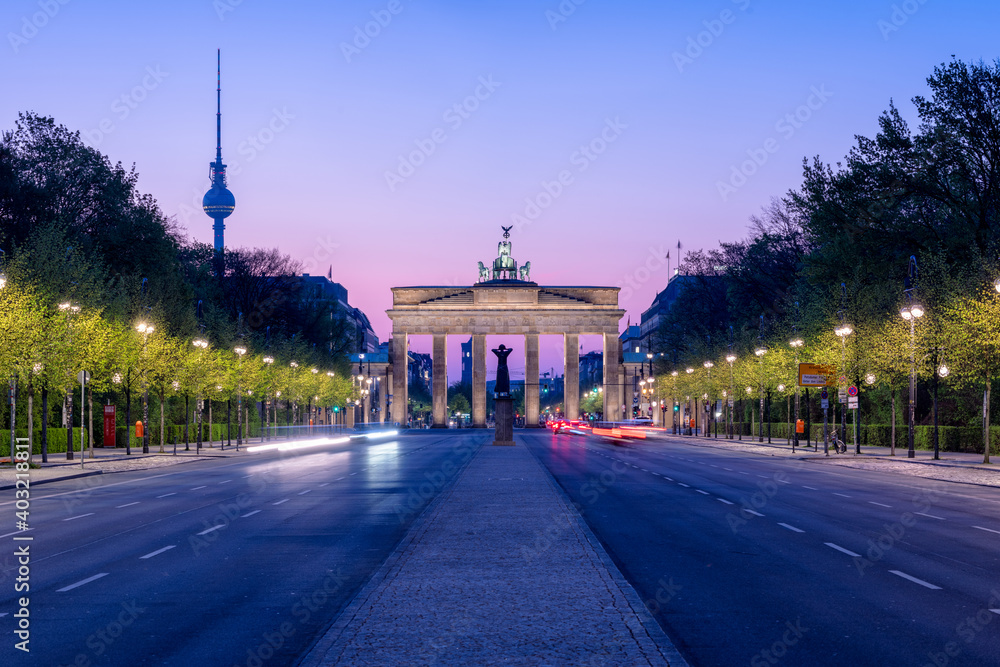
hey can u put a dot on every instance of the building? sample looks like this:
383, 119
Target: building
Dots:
654, 315
420, 370
467, 362
592, 369
323, 289
218, 203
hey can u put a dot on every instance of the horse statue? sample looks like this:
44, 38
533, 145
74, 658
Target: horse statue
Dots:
484, 273
525, 271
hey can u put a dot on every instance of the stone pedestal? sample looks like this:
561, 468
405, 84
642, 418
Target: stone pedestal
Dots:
504, 411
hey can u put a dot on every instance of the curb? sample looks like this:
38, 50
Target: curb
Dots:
57, 479
653, 630
316, 655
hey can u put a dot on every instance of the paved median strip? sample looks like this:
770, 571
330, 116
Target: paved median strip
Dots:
83, 582
842, 550
157, 552
915, 580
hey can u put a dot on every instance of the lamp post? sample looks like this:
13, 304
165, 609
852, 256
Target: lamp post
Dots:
731, 398
202, 345
70, 310
796, 344
711, 413
673, 403
145, 330
240, 351
760, 352
694, 412
912, 312
268, 360
293, 417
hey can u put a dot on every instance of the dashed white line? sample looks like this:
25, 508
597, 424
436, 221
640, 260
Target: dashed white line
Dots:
842, 550
91, 514
354, 473
763, 476
157, 552
324, 483
305, 492
212, 529
167, 495
931, 516
842, 495
248, 476
669, 479
811, 488
248, 514
338, 479
702, 492
684, 485
281, 501
915, 580
988, 530
872, 502
723, 500
125, 505
744, 473
784, 481
752, 512
995, 611
226, 482
16, 532
792, 528
728, 469
81, 583
198, 487
2, 614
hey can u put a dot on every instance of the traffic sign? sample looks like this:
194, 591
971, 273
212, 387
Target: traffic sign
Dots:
825, 403
824, 394
852, 402
816, 375
841, 395
852, 391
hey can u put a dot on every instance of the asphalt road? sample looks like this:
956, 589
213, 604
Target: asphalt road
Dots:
240, 561
748, 560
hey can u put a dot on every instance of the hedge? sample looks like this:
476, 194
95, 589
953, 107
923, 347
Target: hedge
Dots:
950, 438
56, 437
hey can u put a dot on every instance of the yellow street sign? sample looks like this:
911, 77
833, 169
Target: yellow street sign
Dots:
816, 375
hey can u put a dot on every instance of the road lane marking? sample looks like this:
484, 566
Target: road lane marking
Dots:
728, 469
915, 580
784, 481
752, 512
684, 485
354, 473
324, 483
842, 550
16, 532
2, 614
930, 516
338, 479
305, 492
212, 529
872, 502
763, 476
167, 495
744, 473
81, 583
723, 500
281, 501
988, 530
198, 487
995, 611
157, 552
702, 492
811, 488
249, 514
842, 495
789, 527
91, 514
226, 482
127, 505
669, 479
248, 476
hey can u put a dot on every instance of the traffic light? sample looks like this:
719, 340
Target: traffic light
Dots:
677, 408
336, 408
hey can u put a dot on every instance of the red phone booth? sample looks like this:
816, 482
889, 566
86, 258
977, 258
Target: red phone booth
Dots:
109, 426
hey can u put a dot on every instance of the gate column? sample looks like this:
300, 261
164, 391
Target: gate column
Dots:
478, 380
531, 380
571, 383
399, 375
612, 404
439, 389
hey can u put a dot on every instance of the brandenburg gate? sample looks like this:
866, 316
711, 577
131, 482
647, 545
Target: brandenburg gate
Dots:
504, 302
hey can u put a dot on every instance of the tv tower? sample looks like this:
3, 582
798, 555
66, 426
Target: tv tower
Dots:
218, 202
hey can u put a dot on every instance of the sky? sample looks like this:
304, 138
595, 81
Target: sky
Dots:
390, 139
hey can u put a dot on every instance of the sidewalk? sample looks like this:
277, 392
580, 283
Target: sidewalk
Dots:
115, 460
499, 570
961, 467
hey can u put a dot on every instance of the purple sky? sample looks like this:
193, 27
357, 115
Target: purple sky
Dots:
314, 118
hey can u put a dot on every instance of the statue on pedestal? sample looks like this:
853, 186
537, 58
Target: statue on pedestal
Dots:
502, 388
503, 404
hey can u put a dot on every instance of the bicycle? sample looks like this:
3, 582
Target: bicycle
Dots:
839, 446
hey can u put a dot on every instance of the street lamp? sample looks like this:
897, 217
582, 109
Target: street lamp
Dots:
202, 345
731, 399
912, 312
145, 330
760, 351
711, 414
240, 350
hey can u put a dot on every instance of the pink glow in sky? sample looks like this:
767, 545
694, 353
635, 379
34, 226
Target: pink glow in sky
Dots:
396, 158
